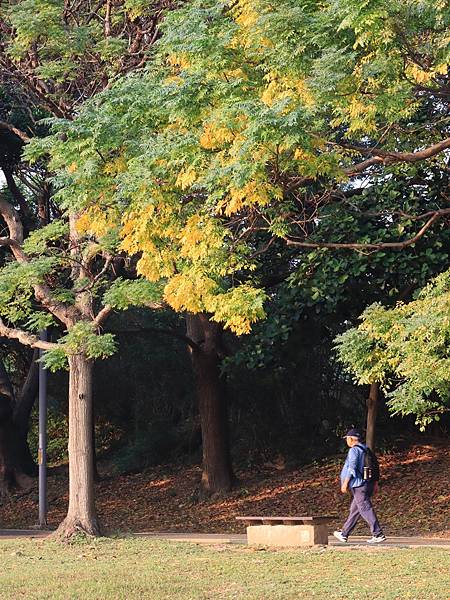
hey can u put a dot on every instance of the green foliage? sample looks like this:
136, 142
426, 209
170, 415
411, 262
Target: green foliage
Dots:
124, 293
245, 118
76, 49
150, 447
406, 348
16, 288
38, 241
58, 434
334, 286
185, 156
55, 359
82, 338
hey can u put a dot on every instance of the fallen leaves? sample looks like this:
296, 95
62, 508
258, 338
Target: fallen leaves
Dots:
413, 498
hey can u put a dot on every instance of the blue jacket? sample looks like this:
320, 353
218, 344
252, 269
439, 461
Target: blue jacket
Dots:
353, 468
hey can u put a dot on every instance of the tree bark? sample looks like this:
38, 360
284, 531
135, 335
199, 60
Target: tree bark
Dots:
16, 463
22, 413
82, 514
217, 476
15, 458
372, 409
7, 463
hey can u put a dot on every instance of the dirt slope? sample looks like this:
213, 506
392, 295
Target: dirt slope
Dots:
414, 497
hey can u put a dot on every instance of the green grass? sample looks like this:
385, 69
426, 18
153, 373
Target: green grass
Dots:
148, 569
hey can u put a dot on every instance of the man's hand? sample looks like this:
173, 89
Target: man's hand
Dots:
344, 488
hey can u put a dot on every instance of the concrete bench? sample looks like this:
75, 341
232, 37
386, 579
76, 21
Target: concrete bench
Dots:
287, 531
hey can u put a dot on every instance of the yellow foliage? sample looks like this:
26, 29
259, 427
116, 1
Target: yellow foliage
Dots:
155, 265
238, 73
72, 167
96, 221
245, 14
186, 178
174, 79
214, 137
441, 69
261, 154
418, 74
304, 93
281, 87
422, 76
199, 236
178, 60
118, 165
301, 154
188, 291
274, 93
361, 115
253, 192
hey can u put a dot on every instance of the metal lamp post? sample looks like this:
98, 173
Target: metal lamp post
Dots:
42, 446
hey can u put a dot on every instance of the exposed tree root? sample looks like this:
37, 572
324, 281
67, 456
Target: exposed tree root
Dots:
75, 527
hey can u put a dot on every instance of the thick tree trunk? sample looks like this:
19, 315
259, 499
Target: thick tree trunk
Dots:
81, 515
16, 463
14, 466
372, 409
217, 476
7, 463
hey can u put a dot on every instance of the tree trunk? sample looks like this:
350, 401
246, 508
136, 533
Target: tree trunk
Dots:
217, 476
16, 463
372, 409
14, 467
7, 463
22, 413
94, 453
81, 515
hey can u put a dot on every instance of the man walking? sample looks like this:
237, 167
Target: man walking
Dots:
352, 477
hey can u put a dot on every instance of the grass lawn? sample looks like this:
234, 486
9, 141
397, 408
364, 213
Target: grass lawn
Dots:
148, 569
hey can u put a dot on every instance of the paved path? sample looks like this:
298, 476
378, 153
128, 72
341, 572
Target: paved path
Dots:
234, 538
356, 541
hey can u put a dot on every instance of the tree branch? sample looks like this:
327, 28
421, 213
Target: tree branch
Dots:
180, 336
25, 338
20, 134
17, 194
64, 312
379, 246
102, 315
385, 157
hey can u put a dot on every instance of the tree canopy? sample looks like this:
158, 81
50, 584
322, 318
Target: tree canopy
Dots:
406, 348
238, 130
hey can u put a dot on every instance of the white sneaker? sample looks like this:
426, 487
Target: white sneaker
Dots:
377, 539
338, 535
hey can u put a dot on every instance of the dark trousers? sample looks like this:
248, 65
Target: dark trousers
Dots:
361, 506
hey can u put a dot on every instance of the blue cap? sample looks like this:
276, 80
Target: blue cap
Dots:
353, 433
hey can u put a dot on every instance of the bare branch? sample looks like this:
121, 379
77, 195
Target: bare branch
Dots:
379, 246
25, 338
171, 332
17, 194
385, 157
21, 134
102, 315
